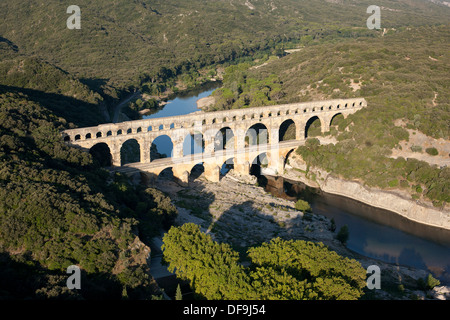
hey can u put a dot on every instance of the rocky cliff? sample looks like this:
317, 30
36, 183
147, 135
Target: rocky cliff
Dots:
396, 201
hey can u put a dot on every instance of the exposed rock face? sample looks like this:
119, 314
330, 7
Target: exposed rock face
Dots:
441, 293
205, 102
396, 200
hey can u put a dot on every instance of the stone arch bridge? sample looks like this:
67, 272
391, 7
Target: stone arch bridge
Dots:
238, 136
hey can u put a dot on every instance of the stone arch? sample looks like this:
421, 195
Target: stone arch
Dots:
257, 134
101, 153
161, 147
77, 137
88, 136
287, 130
66, 138
286, 156
313, 127
227, 166
261, 160
336, 119
224, 139
99, 134
196, 171
166, 174
130, 152
193, 143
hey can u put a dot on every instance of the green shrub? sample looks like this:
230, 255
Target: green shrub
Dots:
312, 142
343, 234
393, 183
302, 205
428, 283
432, 151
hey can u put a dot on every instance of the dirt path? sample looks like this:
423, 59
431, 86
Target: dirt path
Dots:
119, 106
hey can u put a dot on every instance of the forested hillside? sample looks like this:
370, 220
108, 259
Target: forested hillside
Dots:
58, 208
51, 86
135, 42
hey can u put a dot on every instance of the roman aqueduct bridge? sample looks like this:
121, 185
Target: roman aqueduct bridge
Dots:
238, 136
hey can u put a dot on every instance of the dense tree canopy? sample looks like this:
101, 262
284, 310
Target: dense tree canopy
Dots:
279, 270
57, 209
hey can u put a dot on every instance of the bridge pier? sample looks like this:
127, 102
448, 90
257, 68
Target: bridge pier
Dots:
242, 168
212, 171
115, 154
181, 174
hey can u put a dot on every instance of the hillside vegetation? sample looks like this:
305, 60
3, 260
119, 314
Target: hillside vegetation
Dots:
57, 208
137, 42
280, 270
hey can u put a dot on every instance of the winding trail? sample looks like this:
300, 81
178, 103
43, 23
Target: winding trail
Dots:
118, 107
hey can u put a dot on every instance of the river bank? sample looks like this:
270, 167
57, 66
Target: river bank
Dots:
240, 212
396, 201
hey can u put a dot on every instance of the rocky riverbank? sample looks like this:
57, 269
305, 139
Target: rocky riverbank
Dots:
237, 211
397, 201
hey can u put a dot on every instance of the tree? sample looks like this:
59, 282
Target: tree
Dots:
212, 268
343, 234
178, 294
333, 225
302, 205
432, 151
279, 270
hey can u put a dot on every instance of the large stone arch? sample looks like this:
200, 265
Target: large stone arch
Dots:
313, 127
261, 160
161, 147
166, 173
287, 130
101, 153
130, 152
227, 166
196, 171
257, 134
224, 139
194, 143
335, 118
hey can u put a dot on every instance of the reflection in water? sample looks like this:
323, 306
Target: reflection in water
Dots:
374, 232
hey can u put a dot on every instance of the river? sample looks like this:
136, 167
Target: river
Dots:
374, 232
